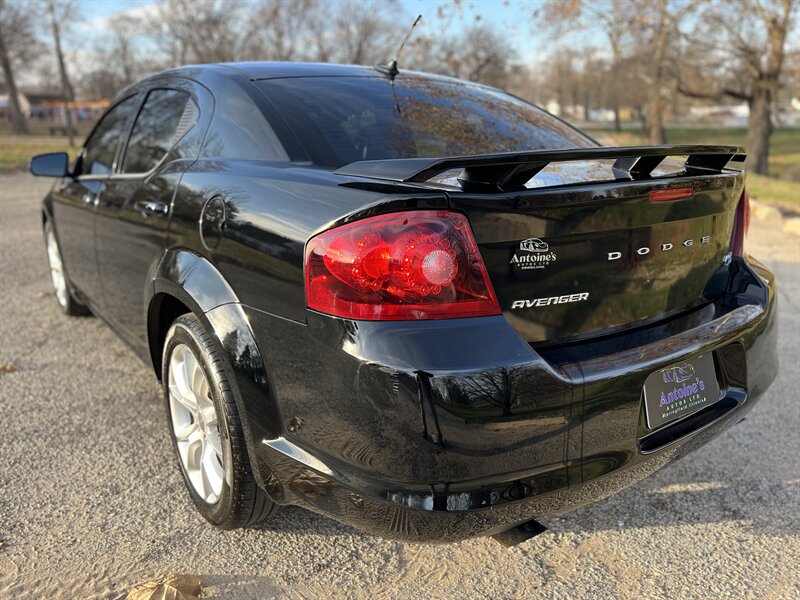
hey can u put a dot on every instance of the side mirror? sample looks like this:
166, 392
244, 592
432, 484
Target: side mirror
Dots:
55, 164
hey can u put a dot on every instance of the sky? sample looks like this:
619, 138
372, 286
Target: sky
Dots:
105, 8
502, 15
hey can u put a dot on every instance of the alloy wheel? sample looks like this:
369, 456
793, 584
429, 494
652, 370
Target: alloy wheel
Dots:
56, 268
195, 424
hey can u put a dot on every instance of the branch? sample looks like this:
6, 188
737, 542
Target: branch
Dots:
695, 94
716, 95
737, 94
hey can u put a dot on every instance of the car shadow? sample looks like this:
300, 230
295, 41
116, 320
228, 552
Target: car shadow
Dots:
296, 520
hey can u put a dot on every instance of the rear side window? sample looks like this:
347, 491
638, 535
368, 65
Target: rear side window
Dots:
240, 132
346, 119
164, 118
98, 156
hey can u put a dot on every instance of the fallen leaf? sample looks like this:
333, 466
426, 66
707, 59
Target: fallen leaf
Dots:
41, 294
7, 368
174, 587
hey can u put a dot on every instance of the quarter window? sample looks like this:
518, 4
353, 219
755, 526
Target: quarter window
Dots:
98, 155
164, 118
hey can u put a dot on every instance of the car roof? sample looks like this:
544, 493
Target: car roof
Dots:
260, 70
209, 73
275, 70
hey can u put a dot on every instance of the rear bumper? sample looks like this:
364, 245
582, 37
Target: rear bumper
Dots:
440, 431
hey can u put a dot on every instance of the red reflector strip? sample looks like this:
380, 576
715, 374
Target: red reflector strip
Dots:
671, 194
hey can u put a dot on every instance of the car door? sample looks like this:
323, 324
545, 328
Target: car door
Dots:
133, 210
75, 198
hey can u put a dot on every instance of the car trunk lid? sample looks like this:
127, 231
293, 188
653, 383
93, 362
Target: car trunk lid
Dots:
585, 242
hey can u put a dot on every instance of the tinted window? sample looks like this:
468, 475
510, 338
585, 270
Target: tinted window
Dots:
98, 157
239, 131
157, 128
345, 119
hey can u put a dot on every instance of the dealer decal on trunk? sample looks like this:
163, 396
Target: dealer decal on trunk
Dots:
538, 257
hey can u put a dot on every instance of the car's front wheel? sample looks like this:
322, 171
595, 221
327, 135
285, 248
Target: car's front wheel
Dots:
58, 275
206, 430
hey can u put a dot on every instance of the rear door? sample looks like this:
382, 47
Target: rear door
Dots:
75, 200
133, 212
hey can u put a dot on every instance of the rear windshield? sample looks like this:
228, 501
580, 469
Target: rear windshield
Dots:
339, 120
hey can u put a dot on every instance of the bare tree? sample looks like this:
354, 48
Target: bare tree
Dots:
122, 61
203, 31
17, 44
648, 29
560, 73
661, 22
124, 51
291, 29
364, 33
478, 54
743, 58
616, 19
68, 93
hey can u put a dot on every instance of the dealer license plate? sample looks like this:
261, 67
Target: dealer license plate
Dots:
679, 390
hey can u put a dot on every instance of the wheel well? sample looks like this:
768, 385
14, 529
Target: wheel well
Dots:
164, 309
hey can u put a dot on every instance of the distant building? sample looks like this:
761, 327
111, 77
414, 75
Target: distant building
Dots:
52, 107
5, 105
721, 110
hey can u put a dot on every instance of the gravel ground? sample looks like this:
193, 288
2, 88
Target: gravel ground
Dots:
91, 501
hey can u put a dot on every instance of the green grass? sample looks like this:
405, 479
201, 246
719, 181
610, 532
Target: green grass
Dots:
16, 151
781, 186
775, 191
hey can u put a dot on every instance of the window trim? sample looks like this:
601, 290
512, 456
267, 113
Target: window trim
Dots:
173, 86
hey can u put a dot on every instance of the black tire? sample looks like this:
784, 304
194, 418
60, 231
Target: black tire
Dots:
65, 298
242, 502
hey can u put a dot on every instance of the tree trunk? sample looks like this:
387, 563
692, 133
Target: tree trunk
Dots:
759, 127
642, 115
586, 102
655, 119
765, 89
616, 53
655, 103
68, 94
18, 124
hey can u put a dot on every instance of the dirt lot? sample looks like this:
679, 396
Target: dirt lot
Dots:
91, 501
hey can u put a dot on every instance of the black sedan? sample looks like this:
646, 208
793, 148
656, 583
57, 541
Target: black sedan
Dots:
418, 305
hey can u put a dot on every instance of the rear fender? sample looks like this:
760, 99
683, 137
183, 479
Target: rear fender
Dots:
196, 283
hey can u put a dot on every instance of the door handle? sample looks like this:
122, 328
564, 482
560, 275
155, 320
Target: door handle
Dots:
151, 207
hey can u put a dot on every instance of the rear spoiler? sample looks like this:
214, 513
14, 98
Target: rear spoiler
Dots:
511, 170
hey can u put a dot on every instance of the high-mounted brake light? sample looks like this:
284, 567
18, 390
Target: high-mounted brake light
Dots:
741, 224
671, 194
400, 266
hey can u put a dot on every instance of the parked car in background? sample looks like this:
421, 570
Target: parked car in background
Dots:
417, 305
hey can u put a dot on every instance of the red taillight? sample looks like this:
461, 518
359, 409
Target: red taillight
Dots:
741, 224
671, 194
399, 266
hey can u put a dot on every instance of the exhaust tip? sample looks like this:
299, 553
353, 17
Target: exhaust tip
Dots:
520, 533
